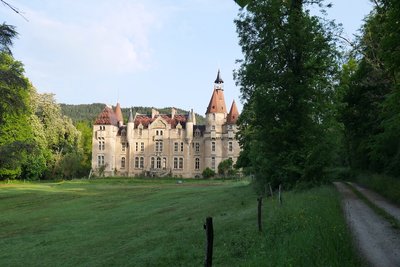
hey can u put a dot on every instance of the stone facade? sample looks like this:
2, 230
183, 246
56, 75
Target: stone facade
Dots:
165, 144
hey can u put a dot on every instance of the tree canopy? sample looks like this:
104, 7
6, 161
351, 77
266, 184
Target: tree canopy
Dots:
287, 83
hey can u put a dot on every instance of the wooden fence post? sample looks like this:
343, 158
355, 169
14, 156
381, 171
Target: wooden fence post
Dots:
259, 213
270, 190
208, 226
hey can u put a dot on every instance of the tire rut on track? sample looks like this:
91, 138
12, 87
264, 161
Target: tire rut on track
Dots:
377, 242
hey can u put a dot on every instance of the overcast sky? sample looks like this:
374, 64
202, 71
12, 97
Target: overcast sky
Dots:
139, 52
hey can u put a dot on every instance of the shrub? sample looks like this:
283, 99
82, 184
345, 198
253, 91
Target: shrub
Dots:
208, 173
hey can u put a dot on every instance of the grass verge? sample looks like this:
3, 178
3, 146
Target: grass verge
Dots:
387, 186
387, 216
130, 222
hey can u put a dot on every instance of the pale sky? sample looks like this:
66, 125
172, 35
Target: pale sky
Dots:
139, 52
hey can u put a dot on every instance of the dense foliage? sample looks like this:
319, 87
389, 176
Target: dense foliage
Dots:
371, 93
36, 140
287, 84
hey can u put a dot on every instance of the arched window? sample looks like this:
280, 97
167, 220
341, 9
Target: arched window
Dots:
164, 164
180, 163
137, 162
141, 162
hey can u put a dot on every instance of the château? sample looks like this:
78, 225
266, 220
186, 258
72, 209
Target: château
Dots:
165, 144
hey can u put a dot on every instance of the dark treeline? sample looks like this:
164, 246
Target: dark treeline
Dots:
89, 112
310, 106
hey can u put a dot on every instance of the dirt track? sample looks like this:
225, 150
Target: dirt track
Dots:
377, 241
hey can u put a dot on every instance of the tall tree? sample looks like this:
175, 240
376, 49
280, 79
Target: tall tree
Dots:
286, 79
371, 113
7, 34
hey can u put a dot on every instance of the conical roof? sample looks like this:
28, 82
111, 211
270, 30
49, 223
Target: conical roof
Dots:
233, 114
217, 102
218, 80
106, 117
130, 119
118, 113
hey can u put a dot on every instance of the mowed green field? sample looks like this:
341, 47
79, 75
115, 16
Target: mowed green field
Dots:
137, 222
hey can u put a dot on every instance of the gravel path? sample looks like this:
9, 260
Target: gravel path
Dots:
379, 201
377, 241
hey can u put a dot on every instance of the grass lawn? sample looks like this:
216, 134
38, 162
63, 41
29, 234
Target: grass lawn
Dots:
134, 222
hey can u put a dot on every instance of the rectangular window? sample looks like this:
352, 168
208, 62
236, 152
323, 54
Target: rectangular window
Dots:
158, 163
212, 146
136, 146
100, 145
142, 146
159, 146
100, 160
230, 146
213, 163
103, 145
181, 146
197, 147
123, 163
176, 147
197, 164
175, 163
152, 163
123, 146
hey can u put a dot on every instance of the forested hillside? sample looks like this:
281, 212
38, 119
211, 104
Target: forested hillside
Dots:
89, 112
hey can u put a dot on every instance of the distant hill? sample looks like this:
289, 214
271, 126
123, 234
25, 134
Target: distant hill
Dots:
89, 112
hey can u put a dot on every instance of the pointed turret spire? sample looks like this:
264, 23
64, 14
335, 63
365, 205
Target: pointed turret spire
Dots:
118, 113
189, 118
130, 119
218, 80
233, 114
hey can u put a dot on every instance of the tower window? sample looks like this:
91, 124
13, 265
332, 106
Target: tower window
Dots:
100, 160
122, 162
230, 146
213, 163
197, 164
197, 147
212, 146
123, 146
